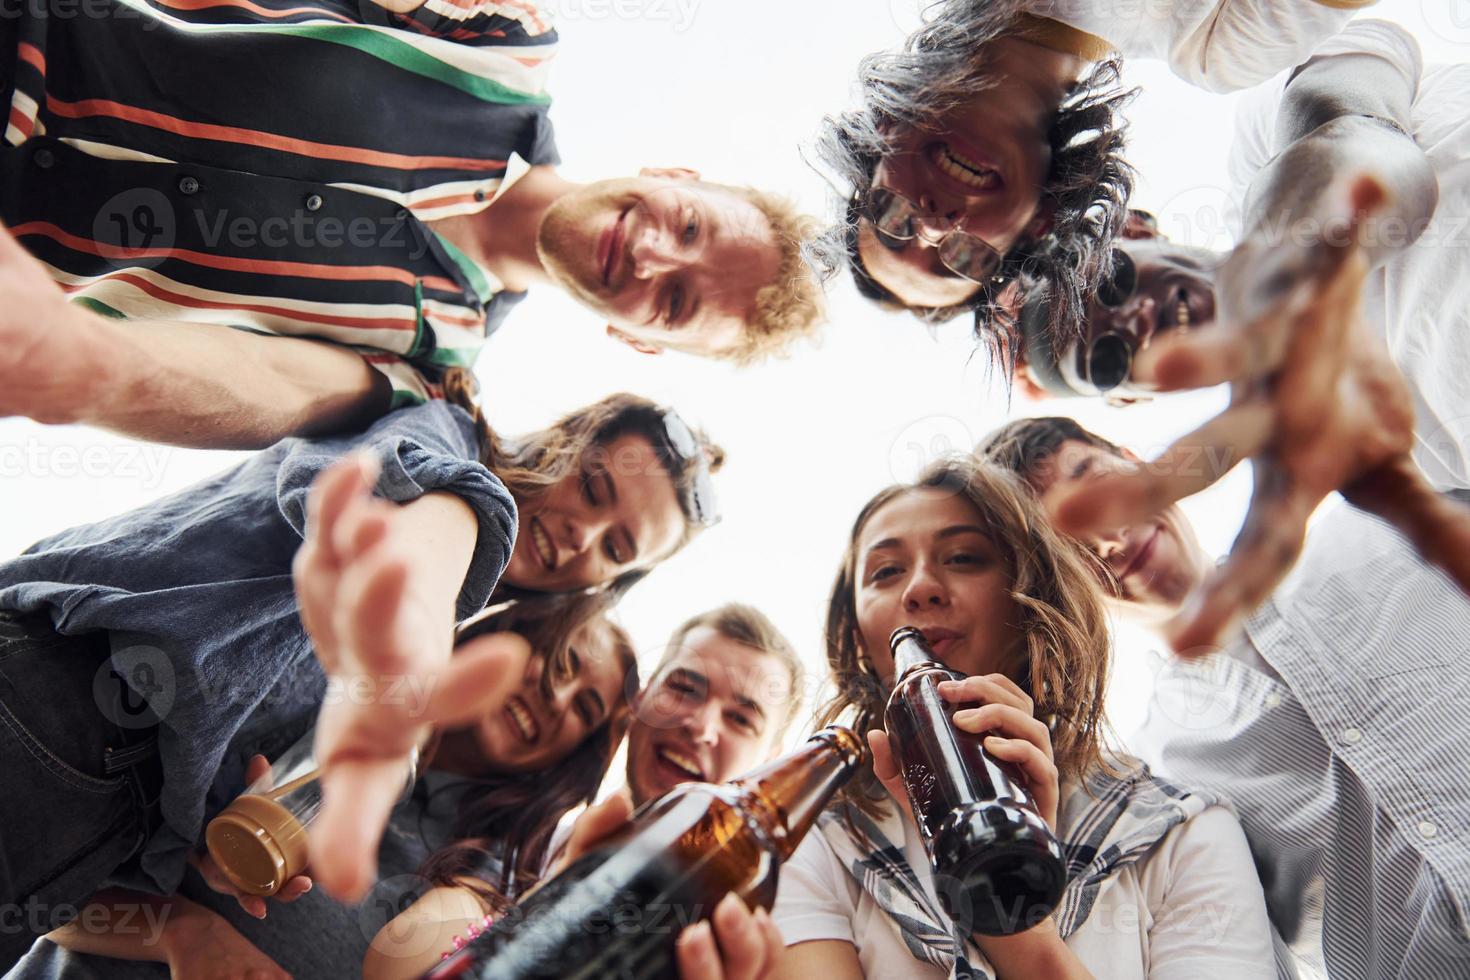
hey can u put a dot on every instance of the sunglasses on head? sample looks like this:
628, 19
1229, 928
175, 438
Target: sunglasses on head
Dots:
699, 499
894, 216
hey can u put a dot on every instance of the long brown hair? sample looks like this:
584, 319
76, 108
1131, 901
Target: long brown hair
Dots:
505, 822
532, 464
1064, 641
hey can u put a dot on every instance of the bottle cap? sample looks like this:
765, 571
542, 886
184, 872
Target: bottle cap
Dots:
258, 844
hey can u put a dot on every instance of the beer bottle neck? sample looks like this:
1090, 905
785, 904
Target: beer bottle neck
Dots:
909, 652
788, 794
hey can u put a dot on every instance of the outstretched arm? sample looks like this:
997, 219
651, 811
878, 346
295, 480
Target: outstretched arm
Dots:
196, 385
1316, 403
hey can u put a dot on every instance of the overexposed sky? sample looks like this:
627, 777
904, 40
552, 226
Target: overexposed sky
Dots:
734, 89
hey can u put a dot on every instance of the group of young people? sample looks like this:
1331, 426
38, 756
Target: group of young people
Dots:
264, 264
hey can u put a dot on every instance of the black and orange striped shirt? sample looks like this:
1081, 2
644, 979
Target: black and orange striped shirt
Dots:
271, 164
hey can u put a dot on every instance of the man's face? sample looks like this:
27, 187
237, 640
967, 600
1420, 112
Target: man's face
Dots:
710, 715
672, 262
1155, 287
1155, 564
980, 168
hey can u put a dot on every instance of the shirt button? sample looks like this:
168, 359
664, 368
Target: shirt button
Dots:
188, 185
480, 195
314, 202
1273, 700
44, 159
1350, 736
1427, 829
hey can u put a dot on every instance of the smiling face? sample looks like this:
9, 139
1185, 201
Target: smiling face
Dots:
710, 715
619, 513
670, 261
530, 731
924, 559
980, 167
1156, 564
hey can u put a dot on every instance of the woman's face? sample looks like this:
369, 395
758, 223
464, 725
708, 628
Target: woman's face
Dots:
925, 560
529, 731
618, 513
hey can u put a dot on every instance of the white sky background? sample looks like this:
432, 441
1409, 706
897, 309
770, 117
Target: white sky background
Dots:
732, 88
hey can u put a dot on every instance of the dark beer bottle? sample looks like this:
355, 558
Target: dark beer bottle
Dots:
617, 911
998, 868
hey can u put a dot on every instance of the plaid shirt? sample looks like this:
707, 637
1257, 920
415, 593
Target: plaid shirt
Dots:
1112, 823
271, 164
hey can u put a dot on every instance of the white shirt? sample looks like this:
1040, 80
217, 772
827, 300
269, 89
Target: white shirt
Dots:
1338, 725
1220, 45
1419, 302
1191, 909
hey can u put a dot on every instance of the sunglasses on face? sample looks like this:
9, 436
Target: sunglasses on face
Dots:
699, 499
895, 216
1108, 360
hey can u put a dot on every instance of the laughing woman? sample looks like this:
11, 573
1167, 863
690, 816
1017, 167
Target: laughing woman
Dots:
1160, 880
482, 808
144, 659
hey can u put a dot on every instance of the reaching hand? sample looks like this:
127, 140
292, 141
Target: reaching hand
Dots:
203, 946
385, 647
1315, 404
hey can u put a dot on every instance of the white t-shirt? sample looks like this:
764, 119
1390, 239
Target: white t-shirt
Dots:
1191, 909
1419, 302
1220, 45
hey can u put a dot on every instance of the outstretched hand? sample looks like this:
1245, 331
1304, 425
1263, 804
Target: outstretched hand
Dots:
1316, 405
384, 641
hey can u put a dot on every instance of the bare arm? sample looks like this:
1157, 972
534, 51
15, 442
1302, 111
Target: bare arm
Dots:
830, 959
188, 937
187, 384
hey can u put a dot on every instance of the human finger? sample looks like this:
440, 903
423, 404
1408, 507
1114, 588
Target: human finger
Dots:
988, 689
481, 674
696, 954
1038, 769
1192, 464
598, 822
1264, 551
740, 940
1006, 721
357, 796
1437, 526
885, 768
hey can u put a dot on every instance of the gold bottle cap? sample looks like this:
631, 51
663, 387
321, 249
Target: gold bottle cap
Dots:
258, 844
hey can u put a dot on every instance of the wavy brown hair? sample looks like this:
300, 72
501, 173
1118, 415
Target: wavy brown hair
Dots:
532, 464
505, 822
1064, 642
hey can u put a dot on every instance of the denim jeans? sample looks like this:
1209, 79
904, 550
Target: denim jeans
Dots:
80, 790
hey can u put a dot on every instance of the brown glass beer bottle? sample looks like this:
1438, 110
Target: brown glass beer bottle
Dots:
617, 911
998, 868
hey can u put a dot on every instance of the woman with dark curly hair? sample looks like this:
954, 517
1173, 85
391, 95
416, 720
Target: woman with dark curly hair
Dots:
989, 147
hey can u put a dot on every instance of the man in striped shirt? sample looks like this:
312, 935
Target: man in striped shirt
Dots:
362, 190
1336, 723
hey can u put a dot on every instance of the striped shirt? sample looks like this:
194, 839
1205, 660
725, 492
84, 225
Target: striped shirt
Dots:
271, 164
1338, 725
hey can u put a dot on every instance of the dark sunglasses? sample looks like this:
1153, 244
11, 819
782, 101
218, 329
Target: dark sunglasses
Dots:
895, 216
1109, 357
700, 498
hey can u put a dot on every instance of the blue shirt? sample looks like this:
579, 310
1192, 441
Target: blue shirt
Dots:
196, 593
